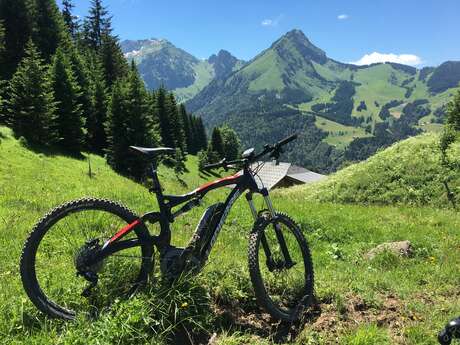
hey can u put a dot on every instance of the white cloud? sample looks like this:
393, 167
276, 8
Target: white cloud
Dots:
343, 16
272, 22
267, 22
405, 59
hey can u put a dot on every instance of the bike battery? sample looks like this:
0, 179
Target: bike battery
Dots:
209, 222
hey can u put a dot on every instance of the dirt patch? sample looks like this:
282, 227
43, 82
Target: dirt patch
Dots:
325, 317
390, 313
252, 319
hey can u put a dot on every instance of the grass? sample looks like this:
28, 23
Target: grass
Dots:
373, 85
409, 172
339, 135
204, 73
386, 300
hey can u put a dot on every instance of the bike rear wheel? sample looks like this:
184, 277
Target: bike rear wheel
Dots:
61, 238
280, 267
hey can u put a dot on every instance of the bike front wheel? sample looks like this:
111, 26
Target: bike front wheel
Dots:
280, 266
63, 238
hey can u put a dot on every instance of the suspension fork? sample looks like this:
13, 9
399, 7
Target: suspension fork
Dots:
279, 235
263, 239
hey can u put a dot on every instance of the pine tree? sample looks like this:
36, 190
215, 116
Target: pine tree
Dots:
166, 127
216, 145
139, 123
199, 140
83, 79
118, 141
2, 38
113, 62
231, 142
70, 20
176, 122
186, 125
97, 25
453, 113
69, 121
47, 27
202, 139
3, 117
14, 15
129, 124
31, 105
95, 125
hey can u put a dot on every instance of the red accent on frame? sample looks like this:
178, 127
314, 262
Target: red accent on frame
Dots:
206, 185
123, 231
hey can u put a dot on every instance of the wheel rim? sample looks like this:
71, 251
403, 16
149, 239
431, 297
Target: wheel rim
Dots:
55, 269
286, 287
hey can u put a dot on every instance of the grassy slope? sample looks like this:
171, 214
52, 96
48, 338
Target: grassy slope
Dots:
374, 87
409, 172
339, 135
383, 301
204, 73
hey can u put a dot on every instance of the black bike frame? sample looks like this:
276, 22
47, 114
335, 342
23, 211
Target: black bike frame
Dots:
243, 182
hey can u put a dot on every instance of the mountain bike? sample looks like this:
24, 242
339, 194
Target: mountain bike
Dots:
85, 253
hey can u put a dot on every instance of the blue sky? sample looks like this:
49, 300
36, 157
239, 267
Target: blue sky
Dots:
423, 32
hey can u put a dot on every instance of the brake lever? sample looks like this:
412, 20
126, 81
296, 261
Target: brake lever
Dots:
276, 155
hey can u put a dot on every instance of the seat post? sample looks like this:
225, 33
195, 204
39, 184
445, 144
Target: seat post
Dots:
165, 232
156, 187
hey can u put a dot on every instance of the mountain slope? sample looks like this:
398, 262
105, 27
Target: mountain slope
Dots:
161, 63
356, 109
409, 172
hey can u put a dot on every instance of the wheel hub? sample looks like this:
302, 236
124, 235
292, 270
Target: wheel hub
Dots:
86, 254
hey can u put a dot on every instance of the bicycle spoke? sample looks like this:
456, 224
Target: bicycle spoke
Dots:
57, 252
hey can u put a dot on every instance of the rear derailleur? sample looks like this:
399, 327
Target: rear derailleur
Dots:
86, 254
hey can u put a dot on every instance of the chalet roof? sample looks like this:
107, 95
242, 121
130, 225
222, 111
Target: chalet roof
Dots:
272, 174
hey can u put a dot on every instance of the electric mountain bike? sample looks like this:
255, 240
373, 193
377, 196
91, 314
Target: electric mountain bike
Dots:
85, 253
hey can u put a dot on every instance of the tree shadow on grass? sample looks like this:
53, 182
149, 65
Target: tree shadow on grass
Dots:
181, 181
205, 174
50, 151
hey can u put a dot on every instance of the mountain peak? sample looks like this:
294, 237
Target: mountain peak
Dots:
221, 55
224, 63
297, 39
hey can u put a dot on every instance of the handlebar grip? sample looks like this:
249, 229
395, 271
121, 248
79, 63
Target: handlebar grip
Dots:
287, 140
214, 165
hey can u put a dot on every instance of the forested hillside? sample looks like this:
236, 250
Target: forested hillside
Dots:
344, 112
66, 85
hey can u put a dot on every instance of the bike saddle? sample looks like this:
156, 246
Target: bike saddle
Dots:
152, 152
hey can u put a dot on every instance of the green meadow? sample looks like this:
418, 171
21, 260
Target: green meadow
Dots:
393, 196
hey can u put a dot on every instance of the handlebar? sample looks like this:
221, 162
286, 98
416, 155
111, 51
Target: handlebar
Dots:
274, 150
287, 140
220, 164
